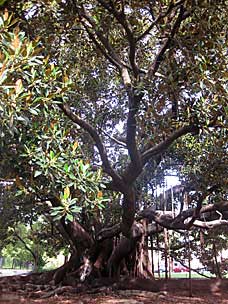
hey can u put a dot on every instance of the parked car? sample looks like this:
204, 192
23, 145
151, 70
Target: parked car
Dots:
180, 269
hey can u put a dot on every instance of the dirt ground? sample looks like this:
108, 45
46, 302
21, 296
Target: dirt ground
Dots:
172, 291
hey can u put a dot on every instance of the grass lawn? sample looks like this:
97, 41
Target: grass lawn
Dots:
184, 275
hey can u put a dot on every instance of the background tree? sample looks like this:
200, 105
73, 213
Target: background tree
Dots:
32, 244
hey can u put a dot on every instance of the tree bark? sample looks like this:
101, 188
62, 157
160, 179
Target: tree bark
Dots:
61, 272
128, 215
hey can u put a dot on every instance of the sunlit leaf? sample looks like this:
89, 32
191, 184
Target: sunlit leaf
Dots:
99, 194
75, 145
70, 217
66, 192
18, 86
37, 173
15, 43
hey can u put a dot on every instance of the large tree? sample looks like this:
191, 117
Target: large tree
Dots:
134, 79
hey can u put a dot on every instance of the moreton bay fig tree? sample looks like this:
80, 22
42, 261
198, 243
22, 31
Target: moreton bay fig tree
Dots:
93, 93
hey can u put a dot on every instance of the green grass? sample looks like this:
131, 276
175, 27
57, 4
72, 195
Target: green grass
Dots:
184, 275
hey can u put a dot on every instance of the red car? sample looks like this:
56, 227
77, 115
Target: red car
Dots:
180, 269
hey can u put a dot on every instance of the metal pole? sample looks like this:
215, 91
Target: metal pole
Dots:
189, 267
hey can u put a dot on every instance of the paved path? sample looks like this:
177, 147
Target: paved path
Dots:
11, 272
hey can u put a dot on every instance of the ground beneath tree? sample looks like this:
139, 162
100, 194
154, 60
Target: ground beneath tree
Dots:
118, 299
172, 291
208, 291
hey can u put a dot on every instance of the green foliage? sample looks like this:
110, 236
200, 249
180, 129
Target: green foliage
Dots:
204, 162
47, 156
2, 2
31, 244
213, 245
59, 169
49, 161
41, 154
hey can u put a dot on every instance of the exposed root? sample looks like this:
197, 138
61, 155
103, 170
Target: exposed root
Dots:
58, 291
27, 287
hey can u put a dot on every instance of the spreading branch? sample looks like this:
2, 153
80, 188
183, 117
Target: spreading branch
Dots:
151, 152
109, 232
167, 220
81, 237
161, 219
164, 145
95, 136
199, 198
210, 224
110, 54
130, 174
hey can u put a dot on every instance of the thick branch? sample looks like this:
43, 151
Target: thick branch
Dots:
210, 224
77, 235
61, 228
200, 198
107, 233
73, 232
128, 215
166, 218
164, 145
110, 54
80, 236
154, 229
93, 133
130, 174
